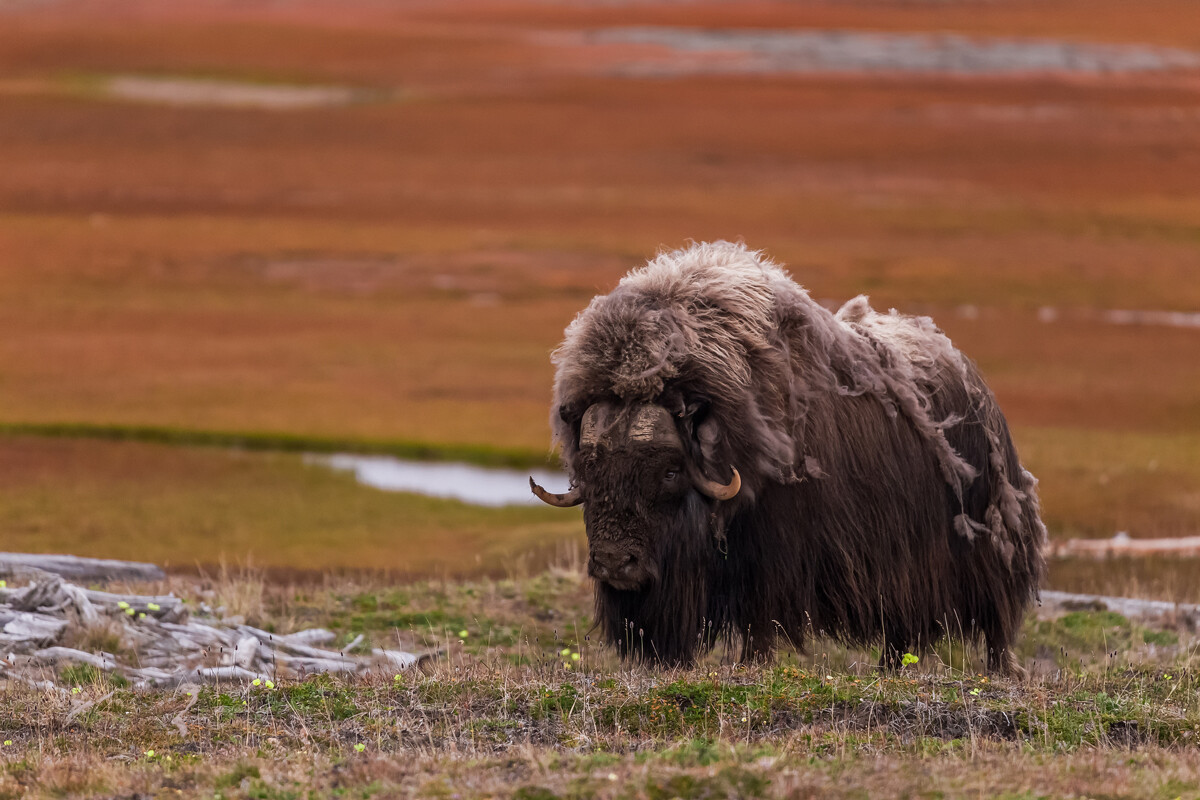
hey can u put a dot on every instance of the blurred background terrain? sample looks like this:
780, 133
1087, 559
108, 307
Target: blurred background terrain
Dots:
320, 226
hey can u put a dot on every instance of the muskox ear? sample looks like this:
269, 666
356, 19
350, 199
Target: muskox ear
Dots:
570, 413
702, 432
692, 414
696, 409
690, 411
708, 436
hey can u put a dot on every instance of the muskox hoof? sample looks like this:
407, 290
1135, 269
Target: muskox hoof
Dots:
891, 658
1004, 662
1011, 667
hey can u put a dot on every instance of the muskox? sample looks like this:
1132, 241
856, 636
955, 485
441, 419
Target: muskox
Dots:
754, 466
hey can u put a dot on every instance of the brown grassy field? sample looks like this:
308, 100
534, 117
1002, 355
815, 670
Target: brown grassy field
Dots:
400, 268
196, 508
1110, 711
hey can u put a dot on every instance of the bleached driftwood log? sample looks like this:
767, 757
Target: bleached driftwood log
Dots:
24, 629
1159, 611
311, 636
166, 648
1124, 545
80, 569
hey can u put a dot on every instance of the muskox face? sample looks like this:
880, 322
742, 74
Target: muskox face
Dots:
639, 487
631, 496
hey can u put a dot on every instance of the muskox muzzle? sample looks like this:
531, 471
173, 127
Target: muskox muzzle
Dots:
615, 565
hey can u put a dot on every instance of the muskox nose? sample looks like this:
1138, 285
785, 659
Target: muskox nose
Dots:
616, 567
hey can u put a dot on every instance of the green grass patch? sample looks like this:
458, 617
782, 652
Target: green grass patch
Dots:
320, 696
236, 775
79, 675
482, 455
1092, 637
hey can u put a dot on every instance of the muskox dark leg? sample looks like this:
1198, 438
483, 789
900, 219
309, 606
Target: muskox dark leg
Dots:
891, 652
758, 645
890, 657
1002, 660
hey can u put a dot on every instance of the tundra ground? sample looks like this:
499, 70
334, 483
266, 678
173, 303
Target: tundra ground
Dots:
526, 704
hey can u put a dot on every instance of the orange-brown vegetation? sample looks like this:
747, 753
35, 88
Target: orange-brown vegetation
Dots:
401, 268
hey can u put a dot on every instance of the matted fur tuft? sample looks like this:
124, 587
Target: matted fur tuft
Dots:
882, 495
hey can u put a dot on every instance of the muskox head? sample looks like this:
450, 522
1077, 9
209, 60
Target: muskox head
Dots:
636, 472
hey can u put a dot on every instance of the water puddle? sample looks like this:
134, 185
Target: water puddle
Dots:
1119, 316
1170, 319
481, 486
229, 94
695, 51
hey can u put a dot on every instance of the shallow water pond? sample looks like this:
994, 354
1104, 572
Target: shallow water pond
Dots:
482, 486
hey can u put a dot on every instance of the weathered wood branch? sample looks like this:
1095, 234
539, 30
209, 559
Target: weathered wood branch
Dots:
80, 569
178, 721
284, 646
313, 636
56, 655
169, 649
83, 708
32, 629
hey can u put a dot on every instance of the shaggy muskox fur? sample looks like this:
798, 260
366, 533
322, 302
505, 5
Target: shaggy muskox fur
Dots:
881, 498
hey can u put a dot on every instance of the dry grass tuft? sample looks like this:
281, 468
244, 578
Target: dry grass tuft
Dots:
240, 591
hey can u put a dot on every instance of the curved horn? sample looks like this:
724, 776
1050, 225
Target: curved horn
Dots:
718, 491
571, 498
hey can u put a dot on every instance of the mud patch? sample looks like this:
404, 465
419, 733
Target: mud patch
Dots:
918, 718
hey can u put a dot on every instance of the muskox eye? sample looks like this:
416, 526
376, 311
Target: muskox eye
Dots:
670, 476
